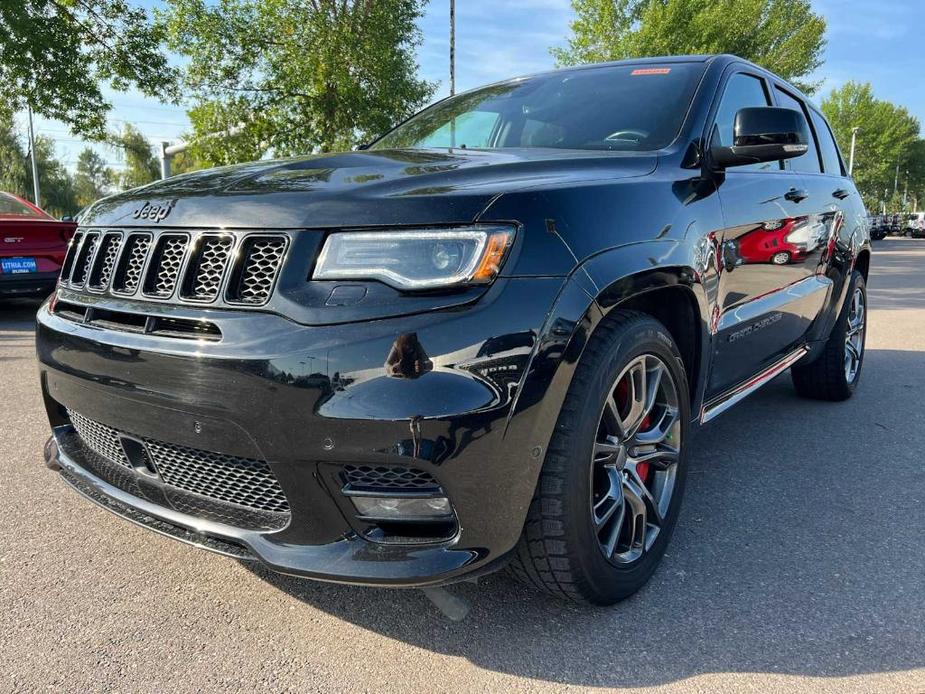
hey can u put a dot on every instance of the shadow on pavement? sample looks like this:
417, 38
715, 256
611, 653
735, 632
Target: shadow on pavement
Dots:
896, 274
798, 551
18, 315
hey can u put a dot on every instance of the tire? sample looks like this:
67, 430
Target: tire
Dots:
781, 258
562, 548
829, 377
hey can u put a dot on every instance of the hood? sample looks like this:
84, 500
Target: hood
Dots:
365, 188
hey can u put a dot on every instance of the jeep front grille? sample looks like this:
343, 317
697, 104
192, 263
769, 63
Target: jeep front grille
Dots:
179, 267
224, 478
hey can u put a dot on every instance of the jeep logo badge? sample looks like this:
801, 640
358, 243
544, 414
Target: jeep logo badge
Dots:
153, 212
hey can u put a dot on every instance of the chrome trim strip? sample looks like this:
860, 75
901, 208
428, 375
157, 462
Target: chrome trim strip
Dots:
740, 392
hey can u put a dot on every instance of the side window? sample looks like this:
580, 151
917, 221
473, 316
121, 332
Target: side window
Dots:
742, 91
808, 162
830, 155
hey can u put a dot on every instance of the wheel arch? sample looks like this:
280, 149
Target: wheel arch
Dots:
862, 263
672, 293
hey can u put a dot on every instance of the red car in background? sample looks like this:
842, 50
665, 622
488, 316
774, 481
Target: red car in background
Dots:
32, 247
781, 242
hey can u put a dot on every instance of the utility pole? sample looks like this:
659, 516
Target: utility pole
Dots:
896, 179
854, 137
35, 166
165, 161
452, 47
905, 191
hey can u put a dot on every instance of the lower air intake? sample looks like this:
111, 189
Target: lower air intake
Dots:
244, 482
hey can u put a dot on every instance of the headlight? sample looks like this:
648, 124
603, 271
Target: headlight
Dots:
420, 259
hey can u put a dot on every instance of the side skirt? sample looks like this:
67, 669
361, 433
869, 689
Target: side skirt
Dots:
731, 397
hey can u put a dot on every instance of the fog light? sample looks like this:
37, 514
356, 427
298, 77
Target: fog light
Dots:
398, 508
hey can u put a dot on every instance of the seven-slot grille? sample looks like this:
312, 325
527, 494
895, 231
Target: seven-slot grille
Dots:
200, 267
242, 481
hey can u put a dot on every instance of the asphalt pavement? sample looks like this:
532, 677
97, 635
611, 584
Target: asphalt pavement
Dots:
798, 564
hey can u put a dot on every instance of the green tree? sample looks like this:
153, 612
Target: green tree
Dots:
55, 181
295, 76
92, 178
141, 166
14, 176
784, 36
916, 170
887, 137
56, 55
186, 162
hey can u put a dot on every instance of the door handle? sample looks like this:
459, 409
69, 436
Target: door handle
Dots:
796, 195
841, 194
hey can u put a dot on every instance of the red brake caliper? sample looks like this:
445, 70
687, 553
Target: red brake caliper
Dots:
643, 468
622, 397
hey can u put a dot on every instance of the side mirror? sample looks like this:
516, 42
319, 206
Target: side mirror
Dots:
764, 134
67, 219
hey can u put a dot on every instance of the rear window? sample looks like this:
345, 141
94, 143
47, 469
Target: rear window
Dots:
10, 206
830, 156
617, 108
808, 162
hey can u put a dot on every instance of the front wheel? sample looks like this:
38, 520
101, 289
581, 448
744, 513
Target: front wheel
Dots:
835, 373
610, 489
781, 258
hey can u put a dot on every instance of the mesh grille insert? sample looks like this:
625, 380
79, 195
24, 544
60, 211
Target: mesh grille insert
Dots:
205, 278
99, 438
84, 258
72, 249
370, 477
262, 259
106, 261
128, 277
242, 481
165, 265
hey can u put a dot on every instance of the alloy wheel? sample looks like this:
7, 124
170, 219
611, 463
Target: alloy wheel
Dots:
635, 460
854, 336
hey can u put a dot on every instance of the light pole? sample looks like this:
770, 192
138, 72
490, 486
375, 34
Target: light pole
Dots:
854, 138
452, 47
35, 166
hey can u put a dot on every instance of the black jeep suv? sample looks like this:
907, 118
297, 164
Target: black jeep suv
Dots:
483, 340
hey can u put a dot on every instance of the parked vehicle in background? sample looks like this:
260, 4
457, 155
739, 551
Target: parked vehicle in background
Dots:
916, 225
32, 247
484, 340
896, 224
878, 227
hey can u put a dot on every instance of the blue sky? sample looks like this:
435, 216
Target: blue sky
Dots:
879, 41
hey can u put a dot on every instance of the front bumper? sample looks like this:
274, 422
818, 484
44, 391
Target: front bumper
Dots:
308, 400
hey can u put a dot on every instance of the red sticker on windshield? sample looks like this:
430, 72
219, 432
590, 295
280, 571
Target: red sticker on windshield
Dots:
651, 71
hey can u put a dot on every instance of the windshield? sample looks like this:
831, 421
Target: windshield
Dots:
10, 206
620, 108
